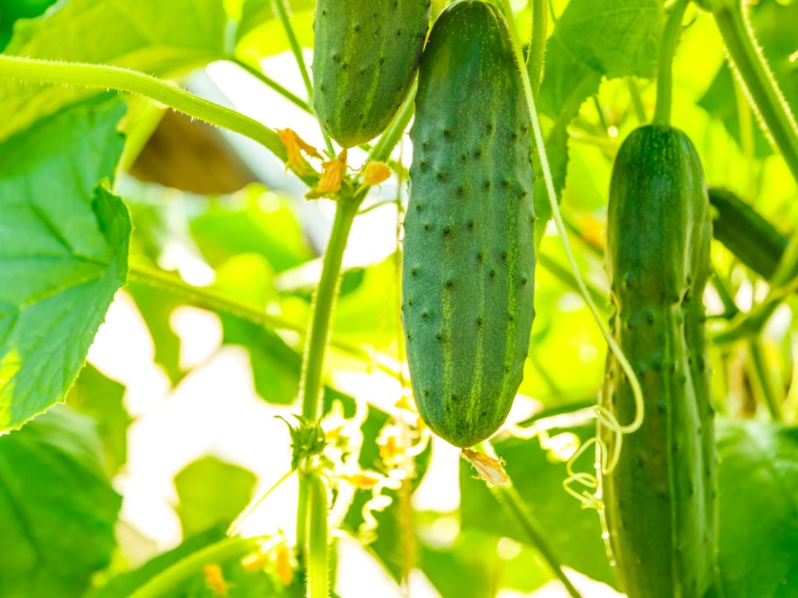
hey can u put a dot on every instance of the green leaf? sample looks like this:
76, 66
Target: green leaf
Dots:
101, 398
13, 10
211, 492
592, 39
253, 221
158, 38
758, 479
156, 307
63, 253
57, 507
574, 533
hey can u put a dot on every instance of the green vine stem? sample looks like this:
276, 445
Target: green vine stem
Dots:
261, 76
759, 82
762, 379
512, 503
537, 51
282, 12
104, 77
637, 100
317, 549
670, 39
322, 308
281, 8
327, 292
220, 552
558, 221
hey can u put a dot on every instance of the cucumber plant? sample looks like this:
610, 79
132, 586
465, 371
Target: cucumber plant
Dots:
455, 303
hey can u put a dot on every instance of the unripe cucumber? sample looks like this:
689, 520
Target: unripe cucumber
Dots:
661, 499
741, 229
469, 260
366, 55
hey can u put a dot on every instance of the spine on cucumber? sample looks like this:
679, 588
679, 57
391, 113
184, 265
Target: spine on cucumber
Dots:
469, 261
661, 499
366, 55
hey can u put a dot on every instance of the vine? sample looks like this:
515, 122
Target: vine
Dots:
605, 462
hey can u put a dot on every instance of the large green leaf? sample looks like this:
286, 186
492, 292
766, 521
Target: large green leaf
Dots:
159, 38
63, 253
57, 507
211, 492
758, 510
592, 39
101, 398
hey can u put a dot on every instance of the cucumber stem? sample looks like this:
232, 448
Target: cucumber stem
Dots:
537, 50
327, 292
670, 39
317, 550
759, 83
96, 76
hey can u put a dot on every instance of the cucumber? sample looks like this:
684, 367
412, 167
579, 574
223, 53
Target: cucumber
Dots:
661, 499
751, 238
469, 259
366, 55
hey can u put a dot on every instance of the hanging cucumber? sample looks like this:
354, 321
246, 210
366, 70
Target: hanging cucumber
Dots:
469, 261
741, 229
660, 500
366, 55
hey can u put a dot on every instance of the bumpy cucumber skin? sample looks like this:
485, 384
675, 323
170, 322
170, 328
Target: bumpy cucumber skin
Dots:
661, 499
366, 55
751, 238
469, 259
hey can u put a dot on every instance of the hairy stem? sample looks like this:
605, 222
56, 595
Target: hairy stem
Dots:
670, 39
223, 551
537, 51
761, 86
317, 551
97, 76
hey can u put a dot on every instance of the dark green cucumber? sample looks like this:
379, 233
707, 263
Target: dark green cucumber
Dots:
366, 55
469, 260
661, 499
751, 238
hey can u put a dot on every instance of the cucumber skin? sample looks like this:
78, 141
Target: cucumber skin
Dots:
751, 238
469, 258
661, 500
366, 55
